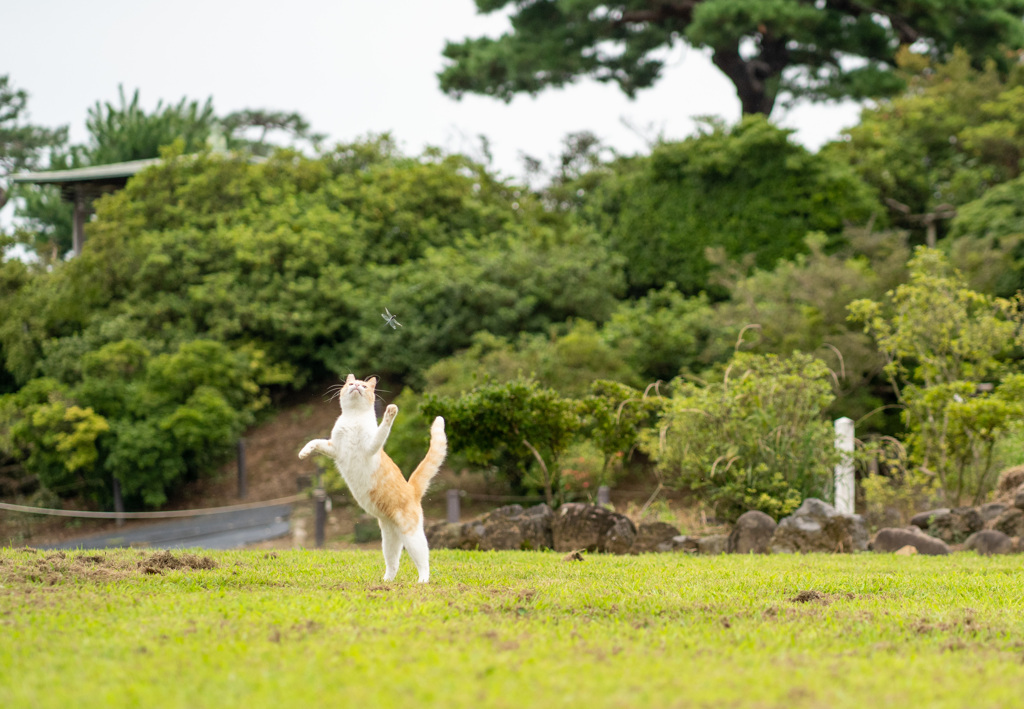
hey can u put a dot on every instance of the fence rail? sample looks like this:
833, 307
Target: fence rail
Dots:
169, 514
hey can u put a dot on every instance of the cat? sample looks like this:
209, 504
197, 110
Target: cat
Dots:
357, 448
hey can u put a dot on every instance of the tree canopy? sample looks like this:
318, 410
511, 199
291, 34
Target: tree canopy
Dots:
769, 49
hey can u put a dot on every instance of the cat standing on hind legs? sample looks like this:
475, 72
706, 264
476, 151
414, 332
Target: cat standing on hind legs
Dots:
357, 448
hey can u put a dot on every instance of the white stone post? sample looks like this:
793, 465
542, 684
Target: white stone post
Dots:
844, 478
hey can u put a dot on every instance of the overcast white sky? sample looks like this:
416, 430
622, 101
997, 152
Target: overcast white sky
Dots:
351, 68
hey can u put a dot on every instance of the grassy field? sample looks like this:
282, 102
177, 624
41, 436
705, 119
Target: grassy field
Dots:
511, 629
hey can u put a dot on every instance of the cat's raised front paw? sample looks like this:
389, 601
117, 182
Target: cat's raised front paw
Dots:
390, 412
307, 450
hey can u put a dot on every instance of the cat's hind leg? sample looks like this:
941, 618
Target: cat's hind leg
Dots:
416, 544
391, 541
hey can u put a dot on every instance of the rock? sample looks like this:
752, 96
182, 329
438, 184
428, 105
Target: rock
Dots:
509, 527
990, 511
581, 526
988, 542
683, 543
817, 526
906, 551
892, 539
956, 525
443, 535
651, 536
1018, 497
620, 538
1010, 522
923, 519
713, 545
752, 533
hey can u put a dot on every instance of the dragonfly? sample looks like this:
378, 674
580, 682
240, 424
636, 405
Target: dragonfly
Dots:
390, 319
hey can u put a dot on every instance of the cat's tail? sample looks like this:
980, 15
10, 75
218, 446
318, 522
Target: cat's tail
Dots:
431, 463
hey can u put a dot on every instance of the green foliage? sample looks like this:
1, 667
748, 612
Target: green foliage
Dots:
747, 190
525, 279
22, 145
942, 340
782, 48
952, 135
568, 363
986, 238
757, 440
127, 132
614, 418
510, 426
663, 333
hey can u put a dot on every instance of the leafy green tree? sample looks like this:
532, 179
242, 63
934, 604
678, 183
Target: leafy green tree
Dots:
614, 418
23, 146
511, 426
568, 362
769, 49
664, 333
949, 358
986, 239
757, 440
747, 189
954, 133
523, 279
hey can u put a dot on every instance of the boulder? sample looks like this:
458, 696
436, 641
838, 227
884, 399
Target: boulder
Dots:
955, 526
752, 533
988, 542
577, 525
817, 526
443, 535
509, 527
1018, 497
990, 511
1010, 522
893, 539
653, 536
713, 545
923, 519
621, 537
683, 543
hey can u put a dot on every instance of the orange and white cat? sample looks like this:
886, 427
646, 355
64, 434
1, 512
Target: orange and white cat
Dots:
357, 448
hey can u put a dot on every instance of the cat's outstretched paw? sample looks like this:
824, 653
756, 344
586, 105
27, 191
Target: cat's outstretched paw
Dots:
308, 449
390, 412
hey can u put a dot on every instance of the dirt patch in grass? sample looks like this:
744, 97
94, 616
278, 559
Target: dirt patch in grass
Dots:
824, 599
53, 568
163, 561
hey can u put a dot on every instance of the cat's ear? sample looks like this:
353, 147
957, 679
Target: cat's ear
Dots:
372, 381
350, 378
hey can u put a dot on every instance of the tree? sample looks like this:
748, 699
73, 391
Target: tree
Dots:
769, 49
748, 189
22, 146
510, 426
949, 353
754, 440
955, 132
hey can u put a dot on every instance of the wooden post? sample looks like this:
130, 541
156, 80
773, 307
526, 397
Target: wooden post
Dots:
454, 511
604, 495
241, 469
844, 478
78, 223
118, 501
320, 507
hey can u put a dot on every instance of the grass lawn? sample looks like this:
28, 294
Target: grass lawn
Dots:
509, 629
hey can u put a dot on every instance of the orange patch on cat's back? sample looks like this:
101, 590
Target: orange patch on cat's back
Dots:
394, 497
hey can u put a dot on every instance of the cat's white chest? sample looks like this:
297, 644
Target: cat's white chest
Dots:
352, 441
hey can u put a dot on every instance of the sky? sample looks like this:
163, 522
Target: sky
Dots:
352, 69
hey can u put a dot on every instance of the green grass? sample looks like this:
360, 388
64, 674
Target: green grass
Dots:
510, 629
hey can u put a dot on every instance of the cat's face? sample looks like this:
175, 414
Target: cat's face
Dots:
357, 392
